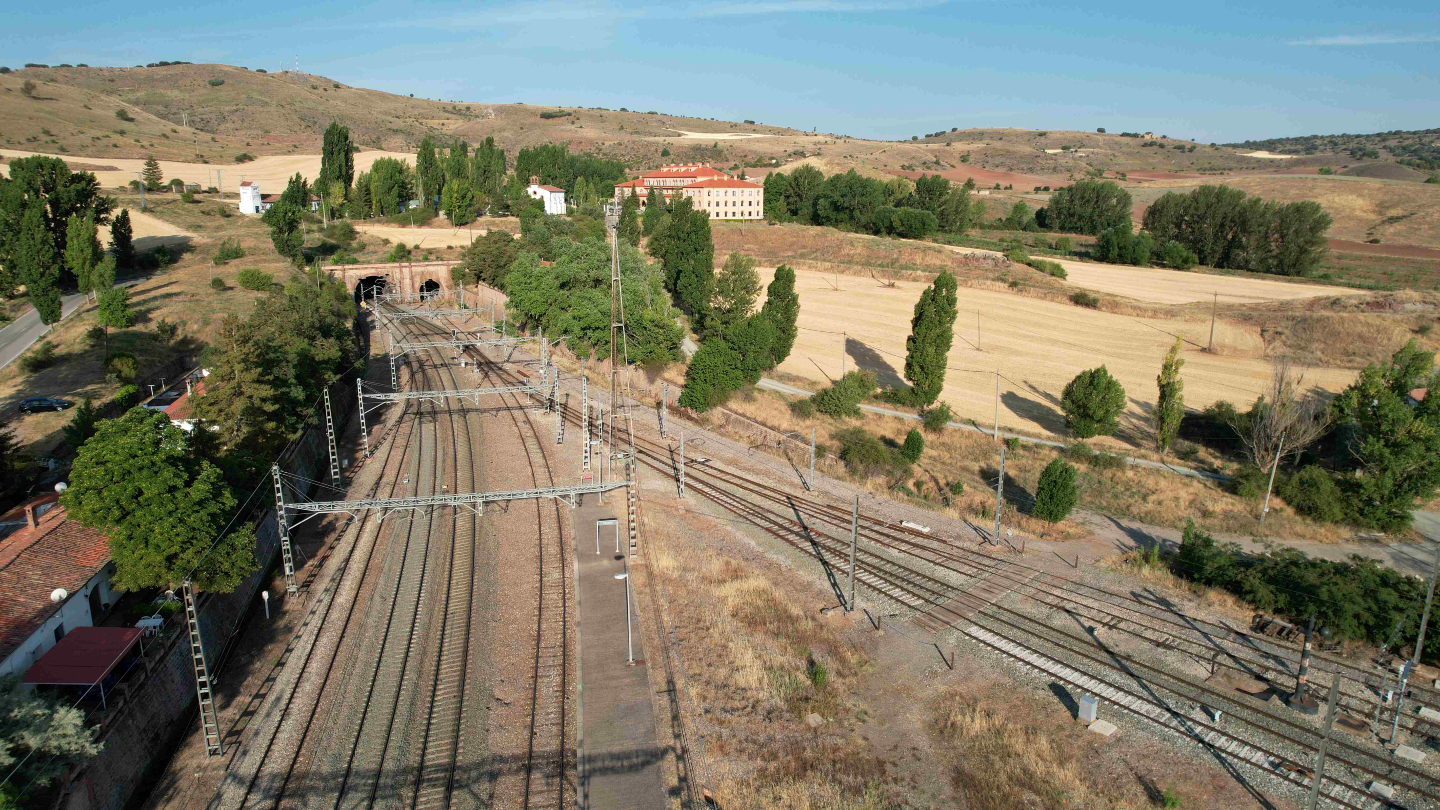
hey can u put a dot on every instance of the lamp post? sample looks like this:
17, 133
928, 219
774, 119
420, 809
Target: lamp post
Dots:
629, 635
265, 597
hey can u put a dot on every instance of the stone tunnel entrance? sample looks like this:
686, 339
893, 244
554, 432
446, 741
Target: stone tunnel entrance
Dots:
368, 287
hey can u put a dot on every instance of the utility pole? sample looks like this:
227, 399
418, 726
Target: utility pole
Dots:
615, 327
682, 462
854, 534
811, 484
141, 180
1324, 743
664, 400
997, 404
1266, 509
1419, 642
999, 493
1214, 303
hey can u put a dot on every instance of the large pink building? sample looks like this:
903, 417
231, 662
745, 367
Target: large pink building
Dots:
709, 188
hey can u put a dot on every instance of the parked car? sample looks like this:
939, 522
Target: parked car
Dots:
37, 404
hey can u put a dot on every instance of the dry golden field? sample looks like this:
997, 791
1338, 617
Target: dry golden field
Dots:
1038, 346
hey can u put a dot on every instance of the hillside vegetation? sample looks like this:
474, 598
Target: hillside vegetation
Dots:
1419, 148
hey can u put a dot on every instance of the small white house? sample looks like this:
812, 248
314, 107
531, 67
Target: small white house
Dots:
251, 200
553, 197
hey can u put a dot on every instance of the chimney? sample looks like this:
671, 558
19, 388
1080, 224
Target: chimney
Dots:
30, 516
534, 181
189, 386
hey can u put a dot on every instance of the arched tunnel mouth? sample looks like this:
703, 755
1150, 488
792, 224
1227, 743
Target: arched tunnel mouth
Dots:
369, 287
429, 289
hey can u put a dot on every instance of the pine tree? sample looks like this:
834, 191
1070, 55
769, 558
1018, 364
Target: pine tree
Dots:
1056, 494
152, 175
122, 242
1170, 403
629, 225
38, 264
932, 330
782, 308
82, 250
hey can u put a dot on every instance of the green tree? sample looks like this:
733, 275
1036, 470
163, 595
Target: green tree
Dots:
655, 208
805, 184
1056, 494
296, 193
162, 508
37, 264
428, 173
913, 447
1170, 401
932, 330
17, 467
753, 338
82, 250
843, 397
628, 228
688, 255
1087, 206
777, 186
82, 424
736, 287
151, 174
112, 311
1092, 403
713, 374
489, 257
47, 184
782, 308
1394, 449
122, 240
41, 738
286, 231
337, 158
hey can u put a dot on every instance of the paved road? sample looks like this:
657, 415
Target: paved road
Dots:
26, 329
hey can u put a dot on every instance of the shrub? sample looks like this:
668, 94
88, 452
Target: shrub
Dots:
1056, 493
1313, 493
217, 283
1049, 268
1250, 482
866, 455
715, 372
554, 113
1105, 461
913, 447
1178, 256
229, 249
215, 82
399, 253
27, 88
167, 331
127, 397
803, 409
957, 487
40, 357
1017, 255
1085, 299
124, 116
244, 157
95, 335
341, 232
187, 196
1092, 402
843, 397
252, 278
936, 417
122, 367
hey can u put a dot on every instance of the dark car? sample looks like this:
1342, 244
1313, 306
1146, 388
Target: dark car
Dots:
37, 404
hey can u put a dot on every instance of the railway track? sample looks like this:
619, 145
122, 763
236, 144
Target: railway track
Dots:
1135, 686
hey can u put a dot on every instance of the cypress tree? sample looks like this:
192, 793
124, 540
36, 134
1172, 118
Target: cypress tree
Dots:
629, 225
122, 239
38, 264
782, 308
82, 250
932, 330
1056, 494
152, 175
1170, 403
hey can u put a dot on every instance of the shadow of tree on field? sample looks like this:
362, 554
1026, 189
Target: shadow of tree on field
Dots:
870, 360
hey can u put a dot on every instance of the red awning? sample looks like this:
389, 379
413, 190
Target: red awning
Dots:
84, 656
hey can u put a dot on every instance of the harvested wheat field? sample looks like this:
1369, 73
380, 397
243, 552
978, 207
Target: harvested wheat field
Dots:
424, 238
272, 173
149, 232
1037, 345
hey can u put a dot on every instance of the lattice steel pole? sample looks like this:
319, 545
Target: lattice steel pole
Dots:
999, 495
631, 505
394, 377
330, 441
282, 522
209, 720
554, 387
811, 483
584, 421
682, 463
560, 424
854, 535
360, 407
664, 399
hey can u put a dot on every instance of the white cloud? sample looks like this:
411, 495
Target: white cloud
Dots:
1351, 39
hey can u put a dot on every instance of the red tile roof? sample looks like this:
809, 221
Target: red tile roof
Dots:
695, 170
57, 553
550, 188
728, 182
180, 408
244, 183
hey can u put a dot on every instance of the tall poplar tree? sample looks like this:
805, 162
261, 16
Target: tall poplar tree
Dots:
1170, 402
629, 226
122, 241
782, 308
429, 173
38, 264
932, 330
337, 157
82, 250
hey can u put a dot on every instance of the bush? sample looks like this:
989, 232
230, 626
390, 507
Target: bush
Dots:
1313, 493
341, 232
1085, 299
802, 409
167, 331
844, 396
124, 116
244, 157
554, 113
1178, 256
217, 283
40, 357
187, 196
1105, 461
215, 82
957, 487
1250, 482
1056, 494
1017, 255
122, 367
95, 335
229, 249
913, 447
1049, 268
865, 455
399, 253
1092, 402
252, 278
715, 372
127, 397
936, 417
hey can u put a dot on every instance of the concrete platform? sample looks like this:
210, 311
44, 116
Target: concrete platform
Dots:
619, 762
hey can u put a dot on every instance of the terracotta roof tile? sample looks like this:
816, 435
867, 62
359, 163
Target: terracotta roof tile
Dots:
728, 182
58, 553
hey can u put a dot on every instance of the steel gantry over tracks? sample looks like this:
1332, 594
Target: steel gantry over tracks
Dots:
474, 501
543, 388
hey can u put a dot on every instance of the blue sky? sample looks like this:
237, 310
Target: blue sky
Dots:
1216, 72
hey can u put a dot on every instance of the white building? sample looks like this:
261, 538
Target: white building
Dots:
554, 197
251, 201
54, 577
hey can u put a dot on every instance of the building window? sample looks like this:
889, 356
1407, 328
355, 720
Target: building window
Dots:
59, 632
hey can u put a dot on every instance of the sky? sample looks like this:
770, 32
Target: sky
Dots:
1216, 72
